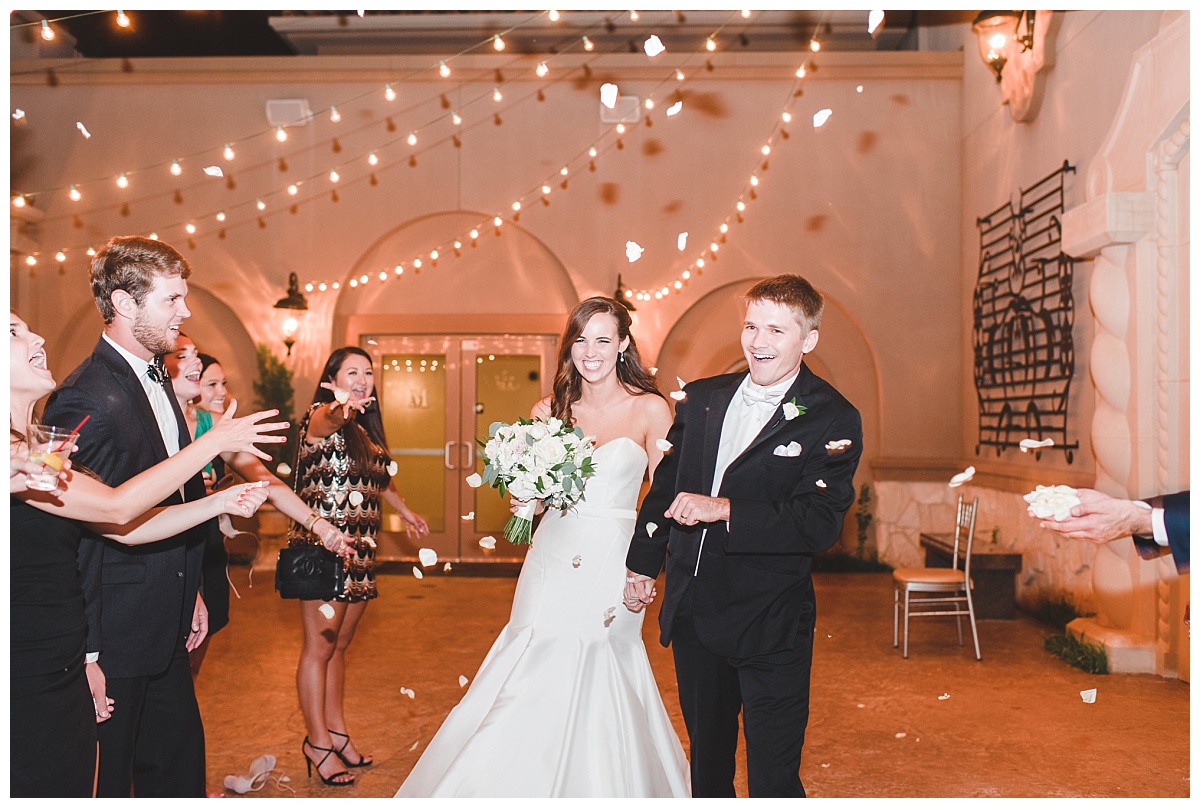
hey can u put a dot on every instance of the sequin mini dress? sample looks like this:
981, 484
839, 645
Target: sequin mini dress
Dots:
334, 486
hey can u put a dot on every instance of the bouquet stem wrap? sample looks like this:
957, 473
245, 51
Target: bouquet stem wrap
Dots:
519, 529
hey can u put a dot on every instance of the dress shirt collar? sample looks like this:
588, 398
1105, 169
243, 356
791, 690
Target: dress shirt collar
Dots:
774, 391
138, 364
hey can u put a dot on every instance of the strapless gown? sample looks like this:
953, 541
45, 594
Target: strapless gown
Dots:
565, 703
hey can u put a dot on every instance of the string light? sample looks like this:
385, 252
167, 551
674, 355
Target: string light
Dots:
334, 115
634, 16
280, 134
710, 44
497, 221
19, 201
592, 152
60, 256
787, 116
389, 93
154, 235
679, 76
542, 70
497, 42
228, 152
47, 32
553, 15
416, 263
260, 204
221, 216
814, 46
588, 45
176, 169
372, 158
334, 176
122, 19
474, 234
444, 69
122, 180
620, 129
191, 228
515, 206
497, 96
75, 195
31, 261
745, 14
455, 118
292, 190
412, 138
800, 72
766, 149
91, 251
383, 276
649, 104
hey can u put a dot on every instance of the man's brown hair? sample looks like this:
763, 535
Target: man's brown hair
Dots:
792, 291
131, 263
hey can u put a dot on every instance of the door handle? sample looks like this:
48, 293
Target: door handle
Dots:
470, 461
446, 455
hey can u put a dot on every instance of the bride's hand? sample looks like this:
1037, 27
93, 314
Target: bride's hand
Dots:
517, 505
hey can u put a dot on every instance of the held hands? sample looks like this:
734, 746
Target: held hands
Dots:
240, 434
639, 591
243, 500
691, 509
345, 400
1100, 518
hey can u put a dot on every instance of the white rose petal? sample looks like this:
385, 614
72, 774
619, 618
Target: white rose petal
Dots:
474, 481
414, 746
653, 46
1030, 443
405, 691
901, 734
1088, 696
393, 467
576, 561
327, 610
214, 171
943, 697
1052, 501
633, 251
790, 411
367, 540
681, 242
608, 95
341, 396
821, 484
679, 395
653, 371
467, 517
356, 498
610, 614
462, 681
663, 445
446, 568
283, 469
962, 477
488, 542
650, 528
674, 109
682, 384
428, 557
417, 573
821, 117
83, 129
838, 446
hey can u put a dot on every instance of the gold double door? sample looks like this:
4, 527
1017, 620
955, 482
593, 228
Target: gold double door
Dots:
438, 394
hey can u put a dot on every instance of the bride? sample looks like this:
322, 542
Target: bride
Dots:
565, 703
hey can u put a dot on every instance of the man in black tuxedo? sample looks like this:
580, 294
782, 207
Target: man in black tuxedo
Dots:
1157, 525
759, 478
142, 603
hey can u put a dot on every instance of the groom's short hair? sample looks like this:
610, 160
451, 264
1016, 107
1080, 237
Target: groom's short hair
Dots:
792, 291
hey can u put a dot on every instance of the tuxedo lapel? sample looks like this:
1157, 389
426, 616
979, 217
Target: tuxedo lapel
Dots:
797, 390
718, 405
125, 377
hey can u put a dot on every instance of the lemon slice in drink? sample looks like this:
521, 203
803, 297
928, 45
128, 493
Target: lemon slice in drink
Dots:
48, 459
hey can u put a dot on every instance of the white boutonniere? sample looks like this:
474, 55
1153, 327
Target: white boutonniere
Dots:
792, 410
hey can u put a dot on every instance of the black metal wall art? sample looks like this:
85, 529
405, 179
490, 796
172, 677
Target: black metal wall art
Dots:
1024, 313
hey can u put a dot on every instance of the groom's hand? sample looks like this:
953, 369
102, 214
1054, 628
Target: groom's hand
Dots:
639, 591
691, 509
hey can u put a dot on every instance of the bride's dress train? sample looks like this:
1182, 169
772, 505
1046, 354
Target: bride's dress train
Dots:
565, 703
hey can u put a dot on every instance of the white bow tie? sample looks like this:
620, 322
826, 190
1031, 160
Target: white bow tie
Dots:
753, 395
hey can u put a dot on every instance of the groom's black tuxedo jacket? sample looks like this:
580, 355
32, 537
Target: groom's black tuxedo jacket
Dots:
752, 593
138, 600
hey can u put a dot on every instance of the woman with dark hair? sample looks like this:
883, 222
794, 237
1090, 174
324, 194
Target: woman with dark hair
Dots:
565, 703
343, 473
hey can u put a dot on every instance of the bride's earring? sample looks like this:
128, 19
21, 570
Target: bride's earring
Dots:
620, 356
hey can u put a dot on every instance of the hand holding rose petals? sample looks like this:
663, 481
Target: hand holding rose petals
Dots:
1094, 516
1052, 502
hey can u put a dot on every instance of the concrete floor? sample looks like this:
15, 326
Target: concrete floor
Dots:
1014, 725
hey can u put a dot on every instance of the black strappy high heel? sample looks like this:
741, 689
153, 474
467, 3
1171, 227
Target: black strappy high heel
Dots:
329, 781
362, 759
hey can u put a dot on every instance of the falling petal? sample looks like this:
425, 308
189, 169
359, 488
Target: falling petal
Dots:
681, 242
608, 95
283, 469
824, 765
576, 561
462, 681
428, 557
356, 498
18, 114
1088, 696
633, 251
682, 384
653, 46
821, 484
446, 568
341, 396
962, 477
86, 134
821, 117
663, 445
393, 467
901, 734
610, 614
367, 540
488, 542
414, 746
417, 573
467, 517
874, 20
837, 446
674, 110
327, 610
214, 171
678, 395
1030, 443
943, 697
650, 528
474, 481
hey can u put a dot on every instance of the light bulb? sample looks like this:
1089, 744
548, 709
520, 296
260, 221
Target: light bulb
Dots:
31, 261
497, 95
515, 206
293, 189
412, 138
814, 46
122, 180
221, 216
553, 15
336, 285
497, 42
800, 72
261, 205
334, 176
18, 201
563, 171
280, 135
321, 287
700, 263
754, 180
47, 33
434, 255
363, 279
588, 45
456, 118
787, 117
714, 247
91, 251
154, 236
334, 115
678, 284
75, 195
417, 263
687, 273
353, 282
458, 245
592, 152
389, 93
745, 14
542, 70
634, 16
766, 150
741, 206
399, 270
60, 256
724, 227
649, 103
383, 275
228, 152
191, 228
710, 44
474, 234
497, 221
620, 129
122, 19
176, 169
679, 75
545, 189
444, 69
308, 287
372, 158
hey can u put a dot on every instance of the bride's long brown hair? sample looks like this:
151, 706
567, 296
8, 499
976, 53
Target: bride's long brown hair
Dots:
631, 373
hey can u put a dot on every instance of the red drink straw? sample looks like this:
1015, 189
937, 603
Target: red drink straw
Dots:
74, 432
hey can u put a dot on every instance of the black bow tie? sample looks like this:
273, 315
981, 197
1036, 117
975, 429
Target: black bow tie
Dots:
157, 370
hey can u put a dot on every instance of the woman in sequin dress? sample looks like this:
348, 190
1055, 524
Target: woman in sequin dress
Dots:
343, 474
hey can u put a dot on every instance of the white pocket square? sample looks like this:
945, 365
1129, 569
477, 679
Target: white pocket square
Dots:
791, 450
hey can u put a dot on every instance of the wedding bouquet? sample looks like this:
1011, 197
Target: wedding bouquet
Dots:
535, 459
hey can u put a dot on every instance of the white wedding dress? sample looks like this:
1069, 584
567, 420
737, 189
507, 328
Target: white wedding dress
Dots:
565, 703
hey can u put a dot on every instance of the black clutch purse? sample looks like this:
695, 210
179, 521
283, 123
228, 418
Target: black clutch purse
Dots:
309, 572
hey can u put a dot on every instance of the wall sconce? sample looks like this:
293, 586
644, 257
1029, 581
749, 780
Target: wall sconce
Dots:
996, 30
292, 309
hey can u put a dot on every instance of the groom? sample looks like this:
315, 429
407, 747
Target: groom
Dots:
759, 479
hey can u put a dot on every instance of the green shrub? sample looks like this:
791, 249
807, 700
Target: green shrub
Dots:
1086, 656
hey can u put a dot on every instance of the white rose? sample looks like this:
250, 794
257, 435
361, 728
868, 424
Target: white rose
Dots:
538, 431
549, 451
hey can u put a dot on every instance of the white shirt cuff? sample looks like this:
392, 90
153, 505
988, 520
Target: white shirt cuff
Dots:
93, 656
1158, 520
